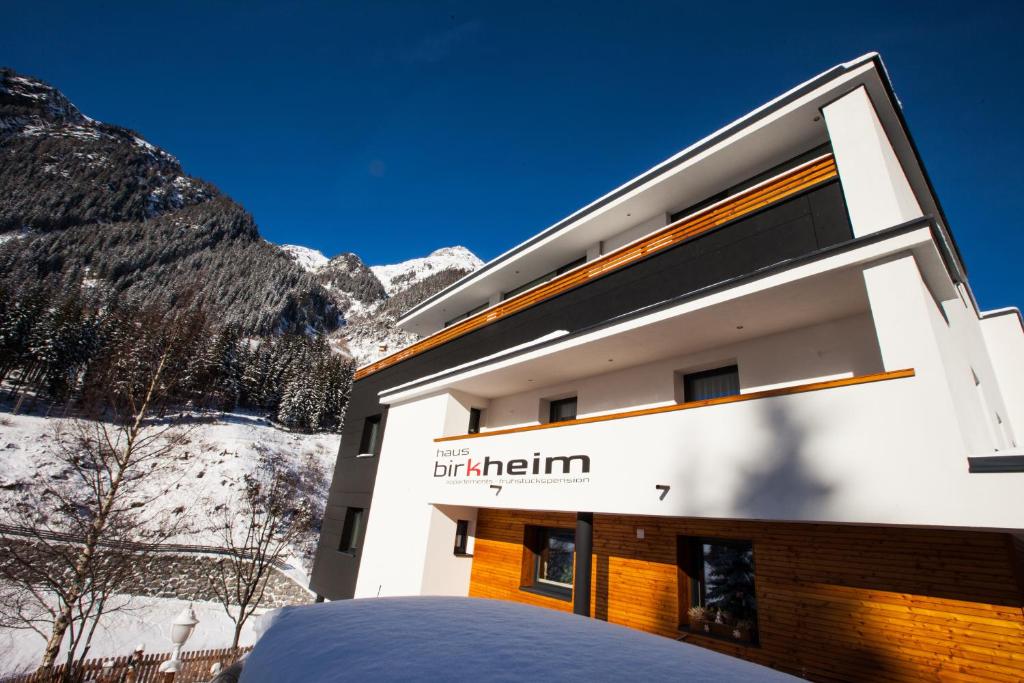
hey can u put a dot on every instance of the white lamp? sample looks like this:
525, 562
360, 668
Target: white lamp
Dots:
181, 630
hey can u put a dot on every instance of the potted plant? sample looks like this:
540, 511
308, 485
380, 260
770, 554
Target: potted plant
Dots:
697, 617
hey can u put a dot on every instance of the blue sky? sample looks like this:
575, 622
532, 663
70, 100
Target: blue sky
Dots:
390, 129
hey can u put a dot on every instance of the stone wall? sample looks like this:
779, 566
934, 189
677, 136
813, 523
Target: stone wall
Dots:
189, 577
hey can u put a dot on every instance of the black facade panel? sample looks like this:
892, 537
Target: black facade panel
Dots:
797, 226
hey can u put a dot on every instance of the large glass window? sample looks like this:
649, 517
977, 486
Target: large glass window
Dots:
722, 599
700, 386
350, 530
563, 410
551, 554
554, 563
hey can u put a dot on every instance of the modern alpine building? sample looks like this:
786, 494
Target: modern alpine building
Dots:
746, 400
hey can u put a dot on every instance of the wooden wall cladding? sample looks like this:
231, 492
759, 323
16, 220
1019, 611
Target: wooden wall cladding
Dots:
781, 187
835, 602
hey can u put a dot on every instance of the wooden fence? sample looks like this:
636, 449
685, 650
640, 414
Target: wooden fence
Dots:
195, 668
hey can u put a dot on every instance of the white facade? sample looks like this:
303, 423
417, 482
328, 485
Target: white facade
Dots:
890, 451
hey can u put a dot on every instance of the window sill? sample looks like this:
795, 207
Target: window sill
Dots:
348, 553
687, 632
470, 555
555, 593
365, 455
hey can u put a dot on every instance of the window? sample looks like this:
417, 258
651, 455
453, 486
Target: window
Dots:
719, 598
371, 434
563, 410
548, 563
468, 314
474, 420
545, 277
461, 536
570, 265
700, 386
350, 530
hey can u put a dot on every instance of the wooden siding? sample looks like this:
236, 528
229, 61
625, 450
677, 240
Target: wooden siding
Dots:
835, 602
781, 187
767, 393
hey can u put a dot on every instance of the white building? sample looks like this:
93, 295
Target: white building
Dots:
752, 380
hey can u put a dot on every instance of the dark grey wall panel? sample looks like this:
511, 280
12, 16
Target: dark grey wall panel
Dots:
795, 227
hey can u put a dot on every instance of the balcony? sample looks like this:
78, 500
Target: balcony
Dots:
836, 421
865, 450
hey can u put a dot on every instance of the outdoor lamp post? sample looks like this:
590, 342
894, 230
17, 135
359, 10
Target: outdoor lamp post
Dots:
181, 629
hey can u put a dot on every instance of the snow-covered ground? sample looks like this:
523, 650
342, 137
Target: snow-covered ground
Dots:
400, 275
472, 639
144, 621
219, 454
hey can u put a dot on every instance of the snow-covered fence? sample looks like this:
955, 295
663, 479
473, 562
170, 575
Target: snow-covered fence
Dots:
26, 532
195, 668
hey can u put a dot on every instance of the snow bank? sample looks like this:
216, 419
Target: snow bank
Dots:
435, 639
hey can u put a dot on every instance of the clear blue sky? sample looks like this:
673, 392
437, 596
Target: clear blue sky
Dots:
390, 129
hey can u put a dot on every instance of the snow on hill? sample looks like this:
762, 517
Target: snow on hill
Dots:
371, 299
400, 276
219, 454
308, 259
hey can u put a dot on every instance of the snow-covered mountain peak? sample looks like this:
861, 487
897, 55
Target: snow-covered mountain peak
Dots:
400, 276
306, 258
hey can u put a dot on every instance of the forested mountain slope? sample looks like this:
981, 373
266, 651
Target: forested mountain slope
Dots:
91, 204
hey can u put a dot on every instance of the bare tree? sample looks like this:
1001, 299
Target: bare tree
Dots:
274, 512
74, 545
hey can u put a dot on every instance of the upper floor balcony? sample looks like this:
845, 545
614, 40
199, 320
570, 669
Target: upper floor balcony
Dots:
835, 394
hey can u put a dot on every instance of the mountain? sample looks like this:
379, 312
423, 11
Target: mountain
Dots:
94, 203
373, 298
402, 275
307, 259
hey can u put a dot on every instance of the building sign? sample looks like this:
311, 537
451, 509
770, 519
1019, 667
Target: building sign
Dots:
460, 467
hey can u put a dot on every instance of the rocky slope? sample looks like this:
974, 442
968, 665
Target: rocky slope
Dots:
373, 298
